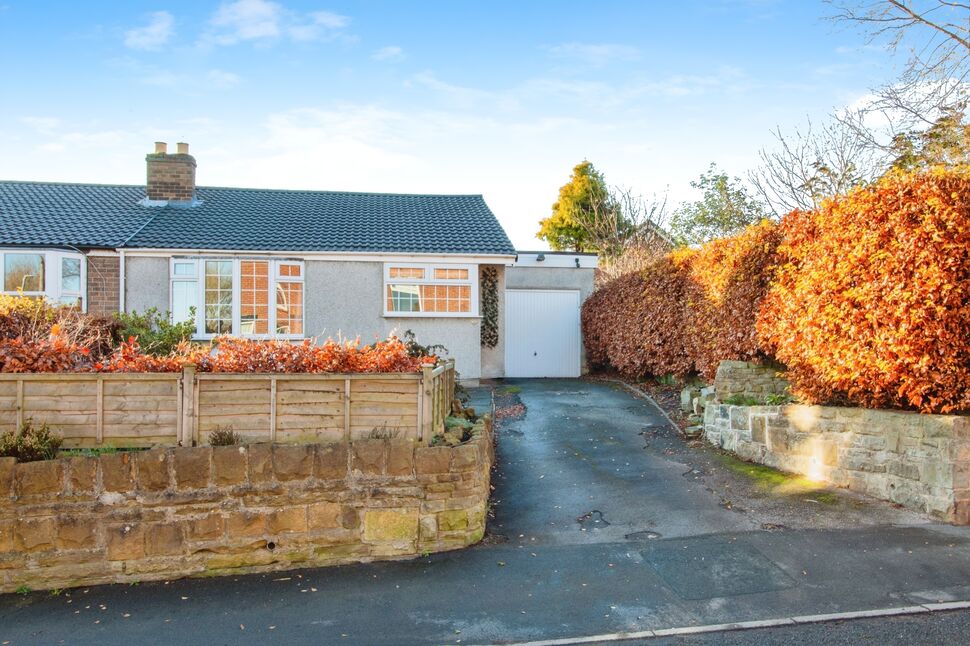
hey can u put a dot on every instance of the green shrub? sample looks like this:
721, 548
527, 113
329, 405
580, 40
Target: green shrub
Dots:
31, 444
224, 436
156, 333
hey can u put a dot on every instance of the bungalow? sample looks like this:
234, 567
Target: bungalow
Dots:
268, 263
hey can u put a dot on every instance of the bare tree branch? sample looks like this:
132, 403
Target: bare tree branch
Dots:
806, 166
629, 231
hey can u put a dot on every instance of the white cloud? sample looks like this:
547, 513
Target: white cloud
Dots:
154, 35
43, 125
214, 78
465, 97
389, 53
329, 19
223, 80
265, 21
595, 55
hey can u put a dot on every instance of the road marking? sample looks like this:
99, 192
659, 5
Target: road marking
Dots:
925, 608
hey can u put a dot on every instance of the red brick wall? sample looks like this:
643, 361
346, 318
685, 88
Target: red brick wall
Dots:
103, 284
171, 177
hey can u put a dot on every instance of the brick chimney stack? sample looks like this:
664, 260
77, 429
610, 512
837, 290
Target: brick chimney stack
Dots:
171, 178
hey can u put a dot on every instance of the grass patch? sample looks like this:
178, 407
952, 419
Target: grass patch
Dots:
88, 452
779, 483
511, 390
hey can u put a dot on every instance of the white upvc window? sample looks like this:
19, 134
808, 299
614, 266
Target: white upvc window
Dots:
252, 297
430, 290
59, 276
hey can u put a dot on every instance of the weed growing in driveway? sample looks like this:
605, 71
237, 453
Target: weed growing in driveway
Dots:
779, 483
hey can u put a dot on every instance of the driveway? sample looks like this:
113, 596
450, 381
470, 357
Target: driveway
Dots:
605, 522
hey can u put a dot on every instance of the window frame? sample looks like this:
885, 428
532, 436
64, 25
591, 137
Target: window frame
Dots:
274, 278
429, 279
53, 274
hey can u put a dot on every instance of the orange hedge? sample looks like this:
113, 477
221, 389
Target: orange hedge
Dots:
231, 354
685, 312
871, 302
728, 278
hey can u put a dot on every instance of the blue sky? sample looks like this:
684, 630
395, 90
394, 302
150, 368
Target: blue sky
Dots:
434, 97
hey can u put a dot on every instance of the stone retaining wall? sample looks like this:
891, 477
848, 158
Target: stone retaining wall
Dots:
919, 461
168, 513
747, 379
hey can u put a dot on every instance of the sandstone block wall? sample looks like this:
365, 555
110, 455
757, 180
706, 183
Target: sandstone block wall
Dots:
919, 461
744, 378
167, 513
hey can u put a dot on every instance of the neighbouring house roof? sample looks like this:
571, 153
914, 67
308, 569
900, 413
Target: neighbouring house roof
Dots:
111, 216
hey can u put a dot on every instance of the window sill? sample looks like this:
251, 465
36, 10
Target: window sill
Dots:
252, 337
429, 315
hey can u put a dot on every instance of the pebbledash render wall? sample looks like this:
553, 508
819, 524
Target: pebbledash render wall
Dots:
167, 513
919, 461
341, 298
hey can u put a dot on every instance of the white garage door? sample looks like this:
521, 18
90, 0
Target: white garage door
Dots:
541, 333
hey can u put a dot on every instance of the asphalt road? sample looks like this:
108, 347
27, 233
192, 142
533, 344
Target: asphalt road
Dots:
602, 525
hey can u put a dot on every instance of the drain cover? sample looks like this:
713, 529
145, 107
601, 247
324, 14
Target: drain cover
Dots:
708, 567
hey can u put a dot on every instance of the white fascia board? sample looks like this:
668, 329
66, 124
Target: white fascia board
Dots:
347, 256
559, 260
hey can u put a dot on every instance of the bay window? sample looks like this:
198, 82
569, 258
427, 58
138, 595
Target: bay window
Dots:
258, 298
430, 290
58, 276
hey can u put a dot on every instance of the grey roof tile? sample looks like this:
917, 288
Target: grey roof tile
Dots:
88, 215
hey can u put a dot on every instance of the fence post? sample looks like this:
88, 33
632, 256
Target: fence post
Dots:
427, 411
20, 407
99, 417
188, 405
347, 434
452, 380
272, 409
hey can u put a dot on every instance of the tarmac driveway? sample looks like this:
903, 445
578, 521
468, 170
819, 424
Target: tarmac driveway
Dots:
605, 522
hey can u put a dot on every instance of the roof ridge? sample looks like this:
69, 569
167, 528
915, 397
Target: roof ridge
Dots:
249, 188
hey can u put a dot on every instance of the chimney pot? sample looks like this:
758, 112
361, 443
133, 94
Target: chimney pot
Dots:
182, 147
161, 147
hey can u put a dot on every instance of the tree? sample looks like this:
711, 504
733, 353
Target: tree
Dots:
628, 230
808, 165
945, 143
936, 77
724, 209
580, 199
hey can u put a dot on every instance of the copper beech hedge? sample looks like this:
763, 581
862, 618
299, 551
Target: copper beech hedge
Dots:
870, 304
686, 311
865, 300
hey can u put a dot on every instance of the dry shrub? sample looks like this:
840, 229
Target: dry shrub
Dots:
871, 303
32, 319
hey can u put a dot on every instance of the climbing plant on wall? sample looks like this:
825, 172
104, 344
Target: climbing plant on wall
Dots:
489, 296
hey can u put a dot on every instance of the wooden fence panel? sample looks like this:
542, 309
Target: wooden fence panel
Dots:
8, 406
240, 405
135, 410
384, 408
310, 410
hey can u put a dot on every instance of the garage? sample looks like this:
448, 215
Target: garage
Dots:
543, 338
